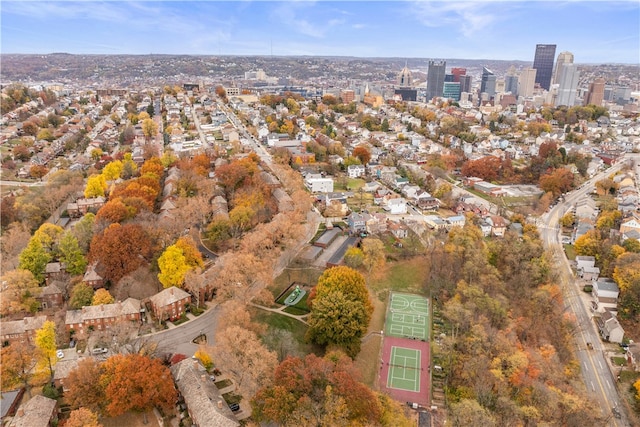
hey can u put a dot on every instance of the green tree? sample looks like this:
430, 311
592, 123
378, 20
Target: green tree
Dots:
71, 254
353, 257
49, 235
631, 245
81, 296
149, 128
46, 344
35, 259
173, 267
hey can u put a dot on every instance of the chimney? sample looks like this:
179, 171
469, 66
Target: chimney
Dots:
101, 307
171, 290
219, 404
20, 412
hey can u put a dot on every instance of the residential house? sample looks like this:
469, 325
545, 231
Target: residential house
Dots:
51, 296
377, 223
630, 224
583, 261
357, 222
586, 208
327, 237
485, 227
62, 371
9, 402
398, 229
370, 187
92, 278
498, 225
318, 184
356, 171
455, 221
54, 271
435, 222
396, 206
39, 411
610, 328
285, 202
170, 303
464, 207
605, 294
205, 404
21, 330
102, 317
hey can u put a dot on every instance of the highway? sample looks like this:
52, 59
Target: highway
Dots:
598, 377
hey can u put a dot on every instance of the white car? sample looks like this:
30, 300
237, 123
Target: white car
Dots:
60, 354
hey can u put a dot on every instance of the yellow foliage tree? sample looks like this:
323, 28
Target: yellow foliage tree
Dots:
96, 186
102, 296
112, 170
204, 357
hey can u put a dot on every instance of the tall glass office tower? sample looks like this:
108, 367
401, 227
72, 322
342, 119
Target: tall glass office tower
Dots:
543, 64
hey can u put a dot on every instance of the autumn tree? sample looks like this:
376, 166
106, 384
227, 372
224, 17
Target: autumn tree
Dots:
115, 211
626, 273
354, 257
149, 128
18, 363
82, 417
112, 170
487, 168
362, 153
71, 254
340, 310
45, 342
241, 352
120, 249
557, 182
134, 382
38, 171
102, 296
81, 296
313, 391
373, 253
173, 267
96, 186
588, 244
20, 288
83, 231
84, 387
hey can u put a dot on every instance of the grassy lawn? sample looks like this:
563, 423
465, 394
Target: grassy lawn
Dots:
231, 397
403, 276
278, 321
308, 276
570, 251
222, 384
367, 361
619, 361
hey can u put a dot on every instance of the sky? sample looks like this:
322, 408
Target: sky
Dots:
594, 31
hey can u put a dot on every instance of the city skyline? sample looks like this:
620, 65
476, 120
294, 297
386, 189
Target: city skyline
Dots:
594, 31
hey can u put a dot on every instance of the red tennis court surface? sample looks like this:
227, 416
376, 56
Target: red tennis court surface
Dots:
422, 396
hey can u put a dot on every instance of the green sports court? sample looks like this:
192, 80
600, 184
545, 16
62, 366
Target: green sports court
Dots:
404, 369
408, 316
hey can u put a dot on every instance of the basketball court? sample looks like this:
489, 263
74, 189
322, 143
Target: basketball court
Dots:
408, 316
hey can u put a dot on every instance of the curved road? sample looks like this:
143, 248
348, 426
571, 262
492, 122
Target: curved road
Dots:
597, 375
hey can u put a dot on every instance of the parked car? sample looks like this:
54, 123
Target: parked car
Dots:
234, 407
99, 350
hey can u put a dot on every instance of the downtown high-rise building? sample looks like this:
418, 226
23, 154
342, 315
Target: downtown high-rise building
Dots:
563, 58
511, 81
465, 83
435, 79
458, 72
595, 95
543, 64
527, 82
488, 82
568, 85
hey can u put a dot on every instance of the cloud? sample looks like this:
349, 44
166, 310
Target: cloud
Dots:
470, 18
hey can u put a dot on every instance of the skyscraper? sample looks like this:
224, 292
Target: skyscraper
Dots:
465, 83
563, 58
488, 83
543, 64
511, 81
457, 72
526, 82
435, 79
568, 81
595, 95
451, 90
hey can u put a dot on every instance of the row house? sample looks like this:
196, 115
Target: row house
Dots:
82, 206
54, 271
51, 296
469, 207
610, 328
21, 331
92, 278
102, 317
203, 400
396, 206
356, 171
39, 411
170, 304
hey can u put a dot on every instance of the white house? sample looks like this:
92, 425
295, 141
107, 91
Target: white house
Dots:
355, 171
397, 206
610, 328
317, 184
605, 295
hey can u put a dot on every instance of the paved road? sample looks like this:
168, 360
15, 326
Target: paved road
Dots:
596, 373
22, 184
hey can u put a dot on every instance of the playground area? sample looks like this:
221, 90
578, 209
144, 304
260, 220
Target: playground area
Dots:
407, 316
405, 364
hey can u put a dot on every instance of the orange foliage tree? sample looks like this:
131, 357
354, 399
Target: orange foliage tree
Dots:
134, 382
120, 249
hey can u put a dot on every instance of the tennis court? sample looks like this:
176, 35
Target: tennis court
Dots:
404, 369
408, 316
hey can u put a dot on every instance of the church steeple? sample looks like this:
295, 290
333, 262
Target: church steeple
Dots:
405, 78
